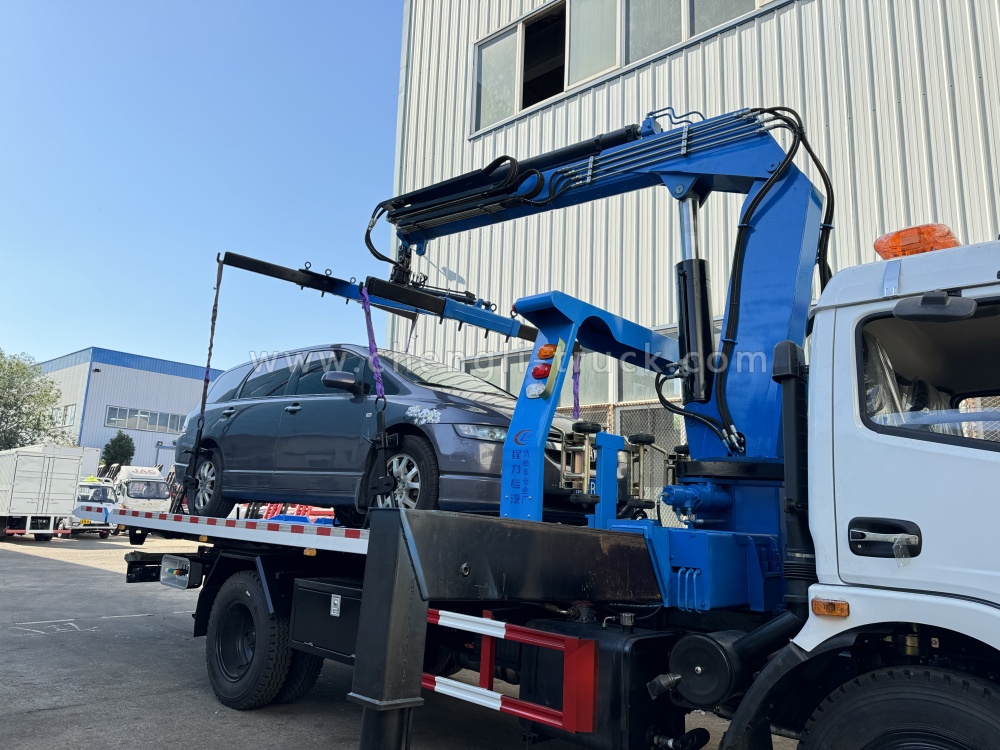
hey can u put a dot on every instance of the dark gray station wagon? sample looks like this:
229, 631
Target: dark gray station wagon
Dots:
274, 432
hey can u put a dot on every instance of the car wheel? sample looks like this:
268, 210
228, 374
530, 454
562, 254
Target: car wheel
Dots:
104, 534
208, 499
414, 467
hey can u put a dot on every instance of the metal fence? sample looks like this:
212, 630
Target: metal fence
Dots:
982, 430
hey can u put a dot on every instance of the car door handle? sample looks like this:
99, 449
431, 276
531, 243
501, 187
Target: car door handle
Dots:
909, 540
293, 409
228, 413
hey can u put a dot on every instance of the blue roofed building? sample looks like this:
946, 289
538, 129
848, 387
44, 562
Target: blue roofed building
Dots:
103, 391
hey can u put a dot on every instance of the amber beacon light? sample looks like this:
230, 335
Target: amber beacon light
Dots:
915, 240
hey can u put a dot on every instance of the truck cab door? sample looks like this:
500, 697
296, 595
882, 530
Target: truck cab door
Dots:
917, 450
320, 451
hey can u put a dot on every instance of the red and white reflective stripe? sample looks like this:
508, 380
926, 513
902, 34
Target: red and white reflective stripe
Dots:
579, 672
293, 534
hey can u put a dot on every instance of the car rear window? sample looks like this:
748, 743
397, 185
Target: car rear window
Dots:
268, 378
226, 385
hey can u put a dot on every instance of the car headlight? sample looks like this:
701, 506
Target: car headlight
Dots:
482, 432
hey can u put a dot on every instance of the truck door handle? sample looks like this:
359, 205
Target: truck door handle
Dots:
293, 409
909, 540
228, 413
884, 537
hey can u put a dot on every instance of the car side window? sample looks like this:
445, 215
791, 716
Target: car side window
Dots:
268, 378
225, 386
934, 381
310, 380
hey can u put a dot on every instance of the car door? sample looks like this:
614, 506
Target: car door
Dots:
248, 426
916, 467
320, 450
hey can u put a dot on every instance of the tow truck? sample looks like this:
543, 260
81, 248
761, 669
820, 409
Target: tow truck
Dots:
834, 580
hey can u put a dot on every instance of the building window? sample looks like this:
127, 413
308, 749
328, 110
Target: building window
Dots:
64, 416
570, 42
143, 419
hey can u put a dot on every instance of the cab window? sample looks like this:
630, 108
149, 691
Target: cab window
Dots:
268, 378
933, 380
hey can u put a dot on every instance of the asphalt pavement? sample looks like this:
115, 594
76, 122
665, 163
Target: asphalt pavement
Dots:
90, 662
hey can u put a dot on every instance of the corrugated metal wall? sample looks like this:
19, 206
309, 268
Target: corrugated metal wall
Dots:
901, 99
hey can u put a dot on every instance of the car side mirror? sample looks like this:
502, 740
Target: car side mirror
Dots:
935, 307
344, 381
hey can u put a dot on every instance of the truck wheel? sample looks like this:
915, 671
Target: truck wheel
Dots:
247, 649
302, 675
3, 529
42, 537
414, 467
906, 707
103, 534
208, 500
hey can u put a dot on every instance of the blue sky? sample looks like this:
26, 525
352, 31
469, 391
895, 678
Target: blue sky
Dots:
140, 139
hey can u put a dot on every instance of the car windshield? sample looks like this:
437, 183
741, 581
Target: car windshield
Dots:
141, 490
95, 494
436, 375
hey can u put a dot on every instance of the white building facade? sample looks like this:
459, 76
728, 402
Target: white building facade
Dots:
900, 98
103, 391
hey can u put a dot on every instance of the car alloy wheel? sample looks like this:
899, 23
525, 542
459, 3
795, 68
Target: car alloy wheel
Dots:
404, 469
206, 485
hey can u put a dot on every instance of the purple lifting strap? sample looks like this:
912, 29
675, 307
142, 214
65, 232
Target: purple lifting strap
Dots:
372, 349
576, 385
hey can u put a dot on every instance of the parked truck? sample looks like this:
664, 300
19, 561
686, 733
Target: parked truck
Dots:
833, 579
38, 487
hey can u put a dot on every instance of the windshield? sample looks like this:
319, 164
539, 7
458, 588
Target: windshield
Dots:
142, 490
436, 375
96, 494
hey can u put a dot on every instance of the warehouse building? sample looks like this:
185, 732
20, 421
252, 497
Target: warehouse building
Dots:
103, 391
901, 101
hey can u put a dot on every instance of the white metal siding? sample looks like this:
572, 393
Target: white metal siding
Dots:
900, 99
72, 384
137, 389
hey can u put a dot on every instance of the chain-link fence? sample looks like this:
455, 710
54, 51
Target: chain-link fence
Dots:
981, 430
603, 414
668, 432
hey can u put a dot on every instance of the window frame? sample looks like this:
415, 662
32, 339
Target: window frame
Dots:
291, 374
927, 437
621, 67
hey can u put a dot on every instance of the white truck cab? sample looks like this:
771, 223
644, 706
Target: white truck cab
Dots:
95, 492
142, 488
905, 377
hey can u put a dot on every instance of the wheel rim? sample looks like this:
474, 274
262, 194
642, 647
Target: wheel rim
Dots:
236, 642
206, 485
403, 468
922, 739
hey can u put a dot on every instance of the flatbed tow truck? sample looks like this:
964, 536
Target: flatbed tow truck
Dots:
835, 580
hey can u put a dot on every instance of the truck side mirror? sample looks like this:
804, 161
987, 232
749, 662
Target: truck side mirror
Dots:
344, 381
935, 307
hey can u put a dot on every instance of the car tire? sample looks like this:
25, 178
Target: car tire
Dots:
303, 672
208, 499
103, 534
906, 707
247, 650
414, 466
42, 537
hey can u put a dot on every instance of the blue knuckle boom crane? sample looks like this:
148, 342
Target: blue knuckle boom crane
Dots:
730, 586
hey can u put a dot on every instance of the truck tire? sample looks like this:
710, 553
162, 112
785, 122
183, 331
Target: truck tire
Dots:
415, 468
907, 707
3, 529
103, 534
42, 537
247, 649
302, 675
208, 499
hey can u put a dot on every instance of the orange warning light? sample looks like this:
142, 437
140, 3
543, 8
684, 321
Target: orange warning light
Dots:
915, 240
